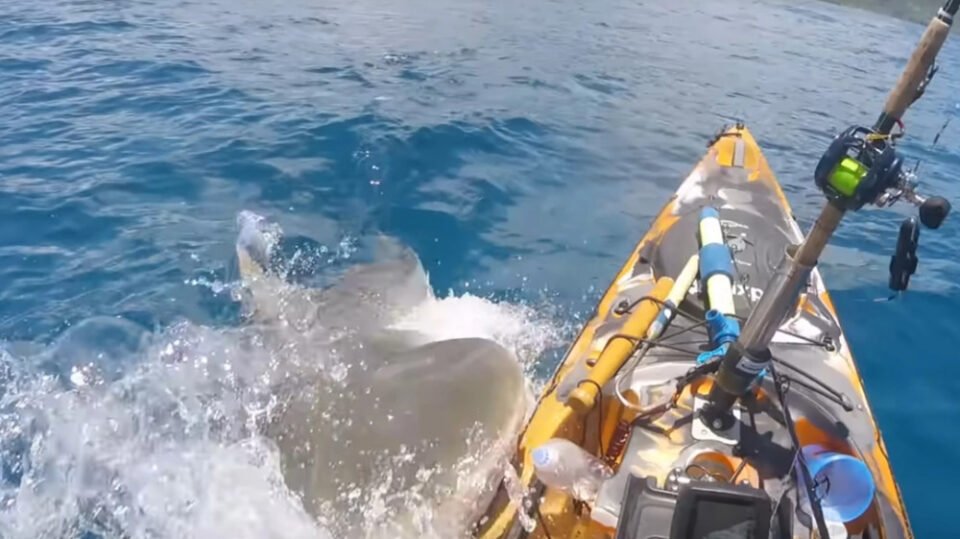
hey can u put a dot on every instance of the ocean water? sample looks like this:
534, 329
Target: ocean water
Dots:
519, 149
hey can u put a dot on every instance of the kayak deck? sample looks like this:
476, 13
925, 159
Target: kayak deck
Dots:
826, 396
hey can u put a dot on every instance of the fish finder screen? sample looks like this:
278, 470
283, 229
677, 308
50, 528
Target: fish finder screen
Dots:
723, 520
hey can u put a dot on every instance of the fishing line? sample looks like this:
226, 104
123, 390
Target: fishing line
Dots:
716, 476
782, 385
736, 473
891, 297
632, 365
698, 325
936, 138
622, 309
943, 128
807, 340
698, 342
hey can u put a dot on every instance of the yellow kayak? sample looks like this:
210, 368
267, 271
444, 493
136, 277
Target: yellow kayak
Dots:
629, 389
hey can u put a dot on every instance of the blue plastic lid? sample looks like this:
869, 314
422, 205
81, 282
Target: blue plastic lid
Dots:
844, 483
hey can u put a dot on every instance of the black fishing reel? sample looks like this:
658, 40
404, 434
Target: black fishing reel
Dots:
861, 166
933, 210
858, 167
903, 263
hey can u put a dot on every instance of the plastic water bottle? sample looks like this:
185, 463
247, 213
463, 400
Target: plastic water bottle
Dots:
563, 465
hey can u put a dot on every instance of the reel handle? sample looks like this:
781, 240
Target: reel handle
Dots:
903, 263
933, 211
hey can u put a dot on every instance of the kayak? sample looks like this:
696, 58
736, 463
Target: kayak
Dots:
630, 388
713, 393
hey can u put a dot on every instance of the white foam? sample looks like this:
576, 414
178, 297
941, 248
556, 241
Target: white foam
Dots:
522, 329
170, 449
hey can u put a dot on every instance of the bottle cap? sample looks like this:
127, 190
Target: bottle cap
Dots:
543, 456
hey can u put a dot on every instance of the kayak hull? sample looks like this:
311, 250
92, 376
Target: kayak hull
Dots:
735, 179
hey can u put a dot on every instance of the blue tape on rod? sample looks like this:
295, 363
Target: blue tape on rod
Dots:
715, 258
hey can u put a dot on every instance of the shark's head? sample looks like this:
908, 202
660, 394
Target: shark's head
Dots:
411, 437
367, 297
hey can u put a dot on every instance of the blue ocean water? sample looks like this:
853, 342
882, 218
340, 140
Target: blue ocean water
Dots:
520, 149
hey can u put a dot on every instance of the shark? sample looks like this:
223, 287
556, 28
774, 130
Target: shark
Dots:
401, 435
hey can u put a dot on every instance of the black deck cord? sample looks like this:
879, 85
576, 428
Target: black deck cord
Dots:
637, 342
807, 340
622, 309
677, 333
682, 382
782, 384
736, 473
826, 391
839, 397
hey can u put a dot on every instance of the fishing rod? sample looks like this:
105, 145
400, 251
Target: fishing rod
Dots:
861, 166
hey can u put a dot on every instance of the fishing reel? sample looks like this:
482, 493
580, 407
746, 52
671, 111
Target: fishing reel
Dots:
861, 166
858, 168
933, 210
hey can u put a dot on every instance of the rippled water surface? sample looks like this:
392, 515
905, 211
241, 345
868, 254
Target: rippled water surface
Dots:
519, 148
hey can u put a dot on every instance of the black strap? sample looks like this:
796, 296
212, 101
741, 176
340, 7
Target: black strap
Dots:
782, 384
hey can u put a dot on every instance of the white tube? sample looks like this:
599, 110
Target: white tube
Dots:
675, 297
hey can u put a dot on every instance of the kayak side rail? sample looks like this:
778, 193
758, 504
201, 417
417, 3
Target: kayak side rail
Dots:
619, 349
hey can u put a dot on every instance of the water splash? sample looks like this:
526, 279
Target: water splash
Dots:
467, 315
115, 431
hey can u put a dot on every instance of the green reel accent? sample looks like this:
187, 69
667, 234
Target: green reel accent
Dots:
857, 168
847, 175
